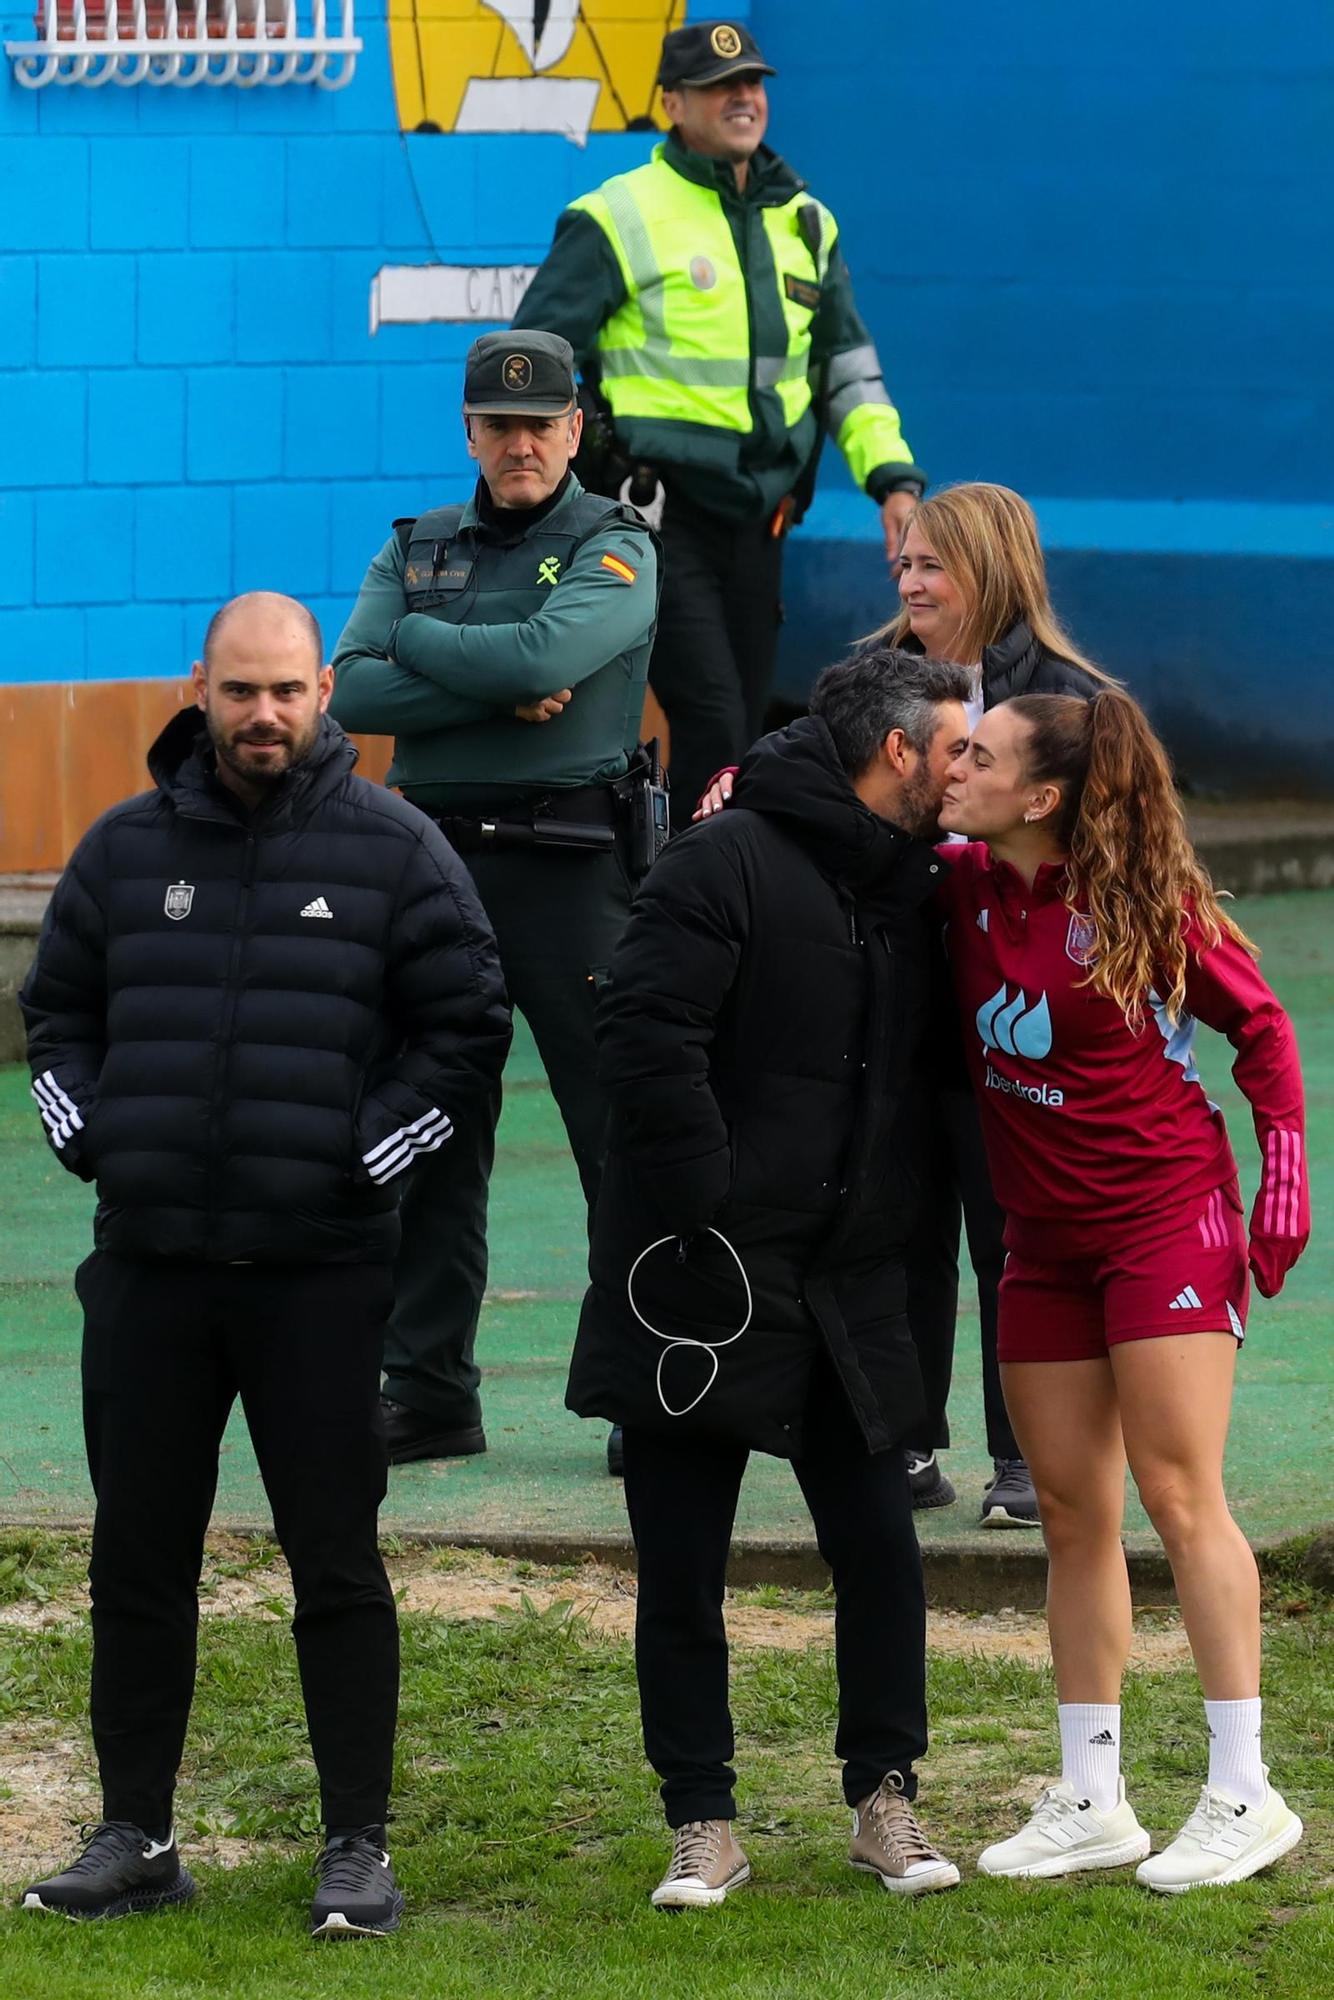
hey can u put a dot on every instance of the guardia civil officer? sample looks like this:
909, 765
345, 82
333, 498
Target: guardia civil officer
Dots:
263, 990
504, 644
712, 314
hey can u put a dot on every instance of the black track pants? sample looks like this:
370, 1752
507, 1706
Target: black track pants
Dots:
167, 1348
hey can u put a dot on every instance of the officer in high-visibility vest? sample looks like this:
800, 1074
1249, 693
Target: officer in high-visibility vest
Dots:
709, 305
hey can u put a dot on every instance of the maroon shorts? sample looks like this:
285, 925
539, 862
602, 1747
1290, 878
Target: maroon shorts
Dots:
1187, 1275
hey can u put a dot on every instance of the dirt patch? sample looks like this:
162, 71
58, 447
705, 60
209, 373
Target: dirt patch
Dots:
470, 1584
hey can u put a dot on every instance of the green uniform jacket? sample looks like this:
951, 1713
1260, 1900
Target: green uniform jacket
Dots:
569, 601
736, 458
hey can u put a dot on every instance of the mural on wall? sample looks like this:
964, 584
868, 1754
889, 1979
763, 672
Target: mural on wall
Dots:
572, 68
565, 66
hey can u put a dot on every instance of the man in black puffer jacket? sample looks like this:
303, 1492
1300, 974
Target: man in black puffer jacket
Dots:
764, 1047
261, 992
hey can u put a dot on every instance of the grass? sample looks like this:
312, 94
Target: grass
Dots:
527, 1831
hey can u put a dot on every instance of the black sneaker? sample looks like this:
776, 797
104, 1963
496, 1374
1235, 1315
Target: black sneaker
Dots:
1008, 1499
413, 1434
616, 1452
120, 1870
357, 1896
926, 1482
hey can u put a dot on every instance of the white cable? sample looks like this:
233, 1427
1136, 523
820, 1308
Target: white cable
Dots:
674, 1340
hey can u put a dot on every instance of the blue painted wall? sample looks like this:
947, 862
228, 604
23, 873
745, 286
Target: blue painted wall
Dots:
1094, 244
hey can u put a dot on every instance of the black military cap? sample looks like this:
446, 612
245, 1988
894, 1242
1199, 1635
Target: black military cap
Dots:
706, 52
526, 374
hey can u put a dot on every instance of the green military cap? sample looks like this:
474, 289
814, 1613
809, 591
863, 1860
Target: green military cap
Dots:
524, 374
706, 52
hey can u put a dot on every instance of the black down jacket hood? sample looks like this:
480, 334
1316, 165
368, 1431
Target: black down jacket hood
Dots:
763, 1042
246, 1028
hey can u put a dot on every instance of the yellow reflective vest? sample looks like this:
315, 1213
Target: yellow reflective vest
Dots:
712, 319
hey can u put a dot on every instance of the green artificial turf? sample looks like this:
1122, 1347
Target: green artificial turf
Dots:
543, 1473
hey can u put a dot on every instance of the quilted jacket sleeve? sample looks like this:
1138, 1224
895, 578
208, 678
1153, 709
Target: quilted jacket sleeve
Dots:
448, 1015
63, 1000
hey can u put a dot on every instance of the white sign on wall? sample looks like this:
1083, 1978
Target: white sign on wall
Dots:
419, 294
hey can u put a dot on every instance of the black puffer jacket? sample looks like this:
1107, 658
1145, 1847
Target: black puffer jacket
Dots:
1017, 664
246, 1028
762, 1045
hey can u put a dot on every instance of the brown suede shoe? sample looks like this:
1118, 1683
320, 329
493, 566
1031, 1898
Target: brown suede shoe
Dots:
706, 1865
888, 1842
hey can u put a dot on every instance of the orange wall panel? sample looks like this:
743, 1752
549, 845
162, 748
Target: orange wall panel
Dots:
32, 722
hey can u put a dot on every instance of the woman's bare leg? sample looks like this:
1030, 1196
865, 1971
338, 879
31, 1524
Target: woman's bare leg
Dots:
1066, 1420
1175, 1396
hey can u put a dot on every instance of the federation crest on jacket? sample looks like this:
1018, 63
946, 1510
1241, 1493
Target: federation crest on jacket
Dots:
178, 899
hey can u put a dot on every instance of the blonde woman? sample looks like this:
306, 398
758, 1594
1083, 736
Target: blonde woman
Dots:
1085, 942
973, 588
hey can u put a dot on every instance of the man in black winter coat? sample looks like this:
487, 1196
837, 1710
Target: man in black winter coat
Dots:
262, 991
764, 1047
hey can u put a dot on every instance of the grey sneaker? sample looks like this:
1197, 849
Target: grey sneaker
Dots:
926, 1482
119, 1872
887, 1841
706, 1866
1008, 1499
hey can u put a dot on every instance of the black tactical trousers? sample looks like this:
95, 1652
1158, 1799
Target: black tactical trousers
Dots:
167, 1348
717, 641
681, 1495
557, 916
960, 1179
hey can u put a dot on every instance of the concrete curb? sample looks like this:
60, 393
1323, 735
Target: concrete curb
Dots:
1003, 1571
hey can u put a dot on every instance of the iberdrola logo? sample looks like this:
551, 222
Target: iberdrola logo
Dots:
1014, 1027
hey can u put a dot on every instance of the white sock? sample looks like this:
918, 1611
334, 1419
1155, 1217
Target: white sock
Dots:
1091, 1750
1234, 1749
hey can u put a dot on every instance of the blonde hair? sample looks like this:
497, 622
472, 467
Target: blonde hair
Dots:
1131, 864
987, 539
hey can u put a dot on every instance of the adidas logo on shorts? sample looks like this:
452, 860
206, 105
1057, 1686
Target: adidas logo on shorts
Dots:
1187, 1301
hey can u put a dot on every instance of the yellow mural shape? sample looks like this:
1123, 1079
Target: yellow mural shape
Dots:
566, 66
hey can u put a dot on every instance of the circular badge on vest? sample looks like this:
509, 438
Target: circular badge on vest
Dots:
703, 275
517, 372
725, 41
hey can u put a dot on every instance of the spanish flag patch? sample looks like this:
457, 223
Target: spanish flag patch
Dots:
619, 568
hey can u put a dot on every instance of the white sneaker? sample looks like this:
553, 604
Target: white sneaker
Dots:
1067, 1833
1223, 1841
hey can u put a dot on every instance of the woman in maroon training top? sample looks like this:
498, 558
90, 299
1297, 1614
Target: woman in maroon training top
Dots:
1086, 941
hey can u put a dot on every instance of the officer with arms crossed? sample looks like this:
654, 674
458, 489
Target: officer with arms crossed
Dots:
533, 603
712, 314
263, 990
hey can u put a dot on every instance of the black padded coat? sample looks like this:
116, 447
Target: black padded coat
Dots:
245, 1028
763, 1043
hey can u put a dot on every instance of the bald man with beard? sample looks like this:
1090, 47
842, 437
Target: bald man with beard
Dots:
263, 990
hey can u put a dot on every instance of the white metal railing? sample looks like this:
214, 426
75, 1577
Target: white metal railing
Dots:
213, 42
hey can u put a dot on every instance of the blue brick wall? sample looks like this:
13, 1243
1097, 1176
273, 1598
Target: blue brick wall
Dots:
1092, 274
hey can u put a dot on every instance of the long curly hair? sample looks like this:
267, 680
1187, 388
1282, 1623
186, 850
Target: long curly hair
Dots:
1131, 865
987, 539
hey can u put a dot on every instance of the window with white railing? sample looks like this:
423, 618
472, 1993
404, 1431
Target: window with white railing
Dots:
210, 42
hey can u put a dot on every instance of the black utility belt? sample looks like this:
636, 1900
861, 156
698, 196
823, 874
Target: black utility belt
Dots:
584, 821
